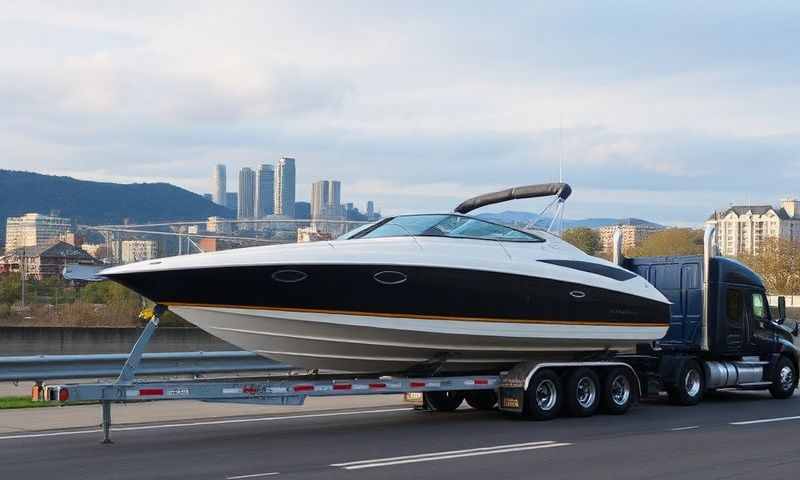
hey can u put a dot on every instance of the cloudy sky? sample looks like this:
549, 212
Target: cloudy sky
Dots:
660, 110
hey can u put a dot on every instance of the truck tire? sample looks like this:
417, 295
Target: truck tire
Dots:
482, 399
543, 397
442, 401
582, 392
618, 391
785, 381
691, 384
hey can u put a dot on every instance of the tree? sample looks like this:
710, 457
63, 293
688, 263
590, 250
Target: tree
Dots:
778, 262
672, 241
10, 291
583, 238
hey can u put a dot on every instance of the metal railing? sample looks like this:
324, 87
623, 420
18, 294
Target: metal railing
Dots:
47, 367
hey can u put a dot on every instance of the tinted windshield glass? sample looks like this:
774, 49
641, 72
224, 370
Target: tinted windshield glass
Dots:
447, 226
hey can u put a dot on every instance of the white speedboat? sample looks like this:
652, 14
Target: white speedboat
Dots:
444, 291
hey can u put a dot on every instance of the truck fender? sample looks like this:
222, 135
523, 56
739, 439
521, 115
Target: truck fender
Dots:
670, 367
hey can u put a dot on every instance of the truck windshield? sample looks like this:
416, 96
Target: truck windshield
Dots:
446, 225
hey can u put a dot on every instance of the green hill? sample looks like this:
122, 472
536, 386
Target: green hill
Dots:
95, 203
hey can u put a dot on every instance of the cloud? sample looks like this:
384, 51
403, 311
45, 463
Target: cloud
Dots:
661, 111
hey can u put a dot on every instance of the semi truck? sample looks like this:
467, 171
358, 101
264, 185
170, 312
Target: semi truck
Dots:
722, 335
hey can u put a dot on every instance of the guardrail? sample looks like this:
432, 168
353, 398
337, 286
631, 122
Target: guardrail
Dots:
48, 367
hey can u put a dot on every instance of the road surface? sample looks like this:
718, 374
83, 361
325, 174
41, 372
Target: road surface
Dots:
732, 435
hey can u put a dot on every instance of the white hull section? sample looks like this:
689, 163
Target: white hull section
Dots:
367, 343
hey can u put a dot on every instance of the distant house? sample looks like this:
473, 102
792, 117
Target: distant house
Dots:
741, 229
634, 232
45, 261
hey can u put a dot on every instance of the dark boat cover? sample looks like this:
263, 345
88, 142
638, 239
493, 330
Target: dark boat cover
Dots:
563, 190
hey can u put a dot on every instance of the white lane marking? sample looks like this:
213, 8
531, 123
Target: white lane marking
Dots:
449, 455
254, 475
210, 422
680, 429
766, 420
449, 452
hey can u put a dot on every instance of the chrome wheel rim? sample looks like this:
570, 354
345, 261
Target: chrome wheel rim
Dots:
692, 383
620, 390
586, 392
546, 395
786, 377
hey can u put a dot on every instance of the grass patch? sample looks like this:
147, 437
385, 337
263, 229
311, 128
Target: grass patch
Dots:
22, 402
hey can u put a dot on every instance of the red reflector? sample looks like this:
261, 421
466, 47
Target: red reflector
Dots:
303, 388
377, 385
151, 391
417, 384
481, 381
250, 390
63, 395
342, 386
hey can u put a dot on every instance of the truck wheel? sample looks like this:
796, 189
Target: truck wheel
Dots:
582, 392
543, 396
482, 399
785, 381
691, 385
442, 401
617, 391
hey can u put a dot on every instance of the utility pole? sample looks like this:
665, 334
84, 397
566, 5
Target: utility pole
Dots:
22, 275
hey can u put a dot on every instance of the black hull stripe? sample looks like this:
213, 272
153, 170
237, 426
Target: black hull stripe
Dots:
418, 316
435, 293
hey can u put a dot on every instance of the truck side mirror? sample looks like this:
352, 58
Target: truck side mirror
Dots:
781, 310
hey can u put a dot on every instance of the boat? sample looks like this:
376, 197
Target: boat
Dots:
422, 292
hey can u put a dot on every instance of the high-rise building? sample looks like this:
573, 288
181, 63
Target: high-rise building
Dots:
265, 191
35, 230
285, 184
220, 183
319, 198
302, 210
232, 200
247, 193
138, 250
326, 199
370, 209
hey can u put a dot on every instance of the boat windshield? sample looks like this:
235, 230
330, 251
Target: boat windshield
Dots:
445, 225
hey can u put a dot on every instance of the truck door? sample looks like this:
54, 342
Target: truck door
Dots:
761, 336
734, 320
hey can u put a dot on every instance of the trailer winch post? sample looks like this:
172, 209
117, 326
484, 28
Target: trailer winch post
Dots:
128, 373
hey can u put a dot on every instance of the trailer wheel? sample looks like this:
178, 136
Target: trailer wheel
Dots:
443, 401
617, 391
482, 399
691, 385
543, 396
785, 381
582, 392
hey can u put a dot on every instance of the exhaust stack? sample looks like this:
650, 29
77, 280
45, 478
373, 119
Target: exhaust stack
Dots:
617, 257
709, 252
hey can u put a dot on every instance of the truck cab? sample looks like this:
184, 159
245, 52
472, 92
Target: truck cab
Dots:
721, 326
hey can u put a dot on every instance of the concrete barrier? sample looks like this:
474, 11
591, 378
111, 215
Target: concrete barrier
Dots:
76, 341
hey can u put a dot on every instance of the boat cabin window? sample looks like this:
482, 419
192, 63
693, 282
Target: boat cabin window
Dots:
445, 225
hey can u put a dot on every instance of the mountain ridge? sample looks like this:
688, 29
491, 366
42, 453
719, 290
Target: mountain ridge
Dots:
94, 203
511, 216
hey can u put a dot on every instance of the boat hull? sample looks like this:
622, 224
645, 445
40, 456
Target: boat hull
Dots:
370, 343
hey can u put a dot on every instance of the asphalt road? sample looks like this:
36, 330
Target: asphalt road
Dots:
654, 440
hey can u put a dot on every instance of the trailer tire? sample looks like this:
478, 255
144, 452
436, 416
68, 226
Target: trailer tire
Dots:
482, 399
618, 391
582, 392
691, 384
785, 381
543, 397
443, 401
